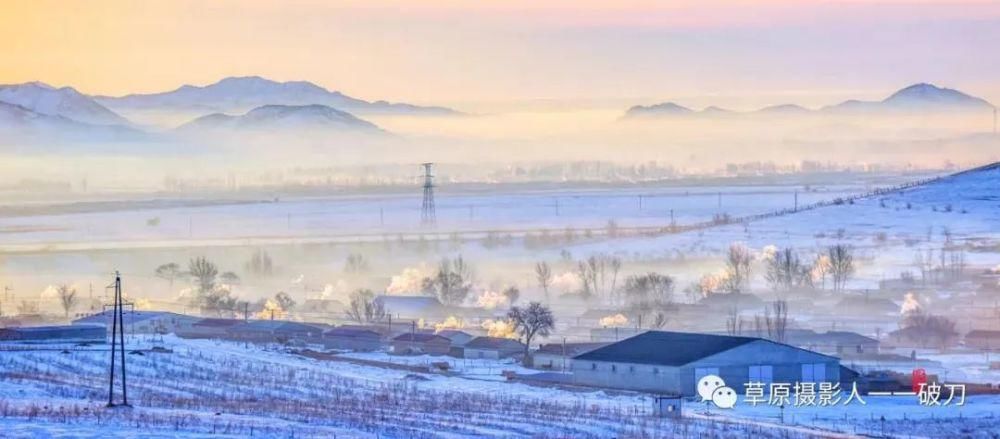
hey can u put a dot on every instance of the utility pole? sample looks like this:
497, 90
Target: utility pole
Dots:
796, 200
117, 344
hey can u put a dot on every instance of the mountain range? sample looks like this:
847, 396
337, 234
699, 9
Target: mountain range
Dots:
240, 94
921, 97
281, 117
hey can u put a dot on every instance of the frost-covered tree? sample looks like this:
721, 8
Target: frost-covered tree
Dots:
841, 265
169, 272
452, 282
363, 308
738, 268
67, 298
531, 321
543, 273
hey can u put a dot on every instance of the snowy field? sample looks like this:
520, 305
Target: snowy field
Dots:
377, 215
218, 389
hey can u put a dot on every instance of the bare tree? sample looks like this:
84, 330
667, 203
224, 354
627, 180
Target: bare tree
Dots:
543, 273
363, 307
203, 272
650, 294
260, 264
785, 271
778, 323
512, 294
841, 265
533, 320
67, 298
734, 323
356, 264
738, 268
452, 282
169, 272
284, 300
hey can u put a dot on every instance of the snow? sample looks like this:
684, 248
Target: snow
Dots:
219, 389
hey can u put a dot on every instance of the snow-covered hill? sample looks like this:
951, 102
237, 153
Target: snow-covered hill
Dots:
916, 98
282, 117
240, 94
17, 122
66, 102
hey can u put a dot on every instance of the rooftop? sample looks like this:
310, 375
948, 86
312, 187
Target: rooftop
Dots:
419, 337
665, 348
492, 343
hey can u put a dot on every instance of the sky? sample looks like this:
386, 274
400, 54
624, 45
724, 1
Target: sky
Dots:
468, 54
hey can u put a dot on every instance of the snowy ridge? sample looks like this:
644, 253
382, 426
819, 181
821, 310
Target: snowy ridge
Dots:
282, 117
65, 102
239, 94
921, 97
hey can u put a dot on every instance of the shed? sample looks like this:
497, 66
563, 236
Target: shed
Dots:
143, 322
983, 339
55, 334
493, 348
558, 356
351, 339
210, 328
672, 363
457, 338
270, 331
420, 343
412, 307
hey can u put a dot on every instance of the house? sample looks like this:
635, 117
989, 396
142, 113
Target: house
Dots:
922, 337
983, 339
458, 338
412, 307
420, 343
863, 304
350, 339
673, 363
209, 328
832, 342
273, 331
493, 348
55, 334
558, 356
143, 322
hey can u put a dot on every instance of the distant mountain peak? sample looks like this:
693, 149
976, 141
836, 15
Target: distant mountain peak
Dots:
243, 93
666, 108
66, 102
278, 117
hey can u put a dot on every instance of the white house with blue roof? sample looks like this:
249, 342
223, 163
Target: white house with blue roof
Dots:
673, 362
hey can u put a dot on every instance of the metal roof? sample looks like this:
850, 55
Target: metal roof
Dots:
665, 348
493, 343
419, 337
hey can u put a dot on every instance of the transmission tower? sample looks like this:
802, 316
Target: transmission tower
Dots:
117, 344
427, 215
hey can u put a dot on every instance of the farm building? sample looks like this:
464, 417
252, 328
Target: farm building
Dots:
457, 338
983, 339
55, 334
493, 348
412, 307
272, 331
420, 343
143, 322
209, 328
922, 337
558, 356
832, 342
673, 362
350, 339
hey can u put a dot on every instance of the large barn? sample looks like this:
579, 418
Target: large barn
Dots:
673, 362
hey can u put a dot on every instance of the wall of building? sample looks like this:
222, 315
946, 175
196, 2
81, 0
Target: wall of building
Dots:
734, 365
627, 376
